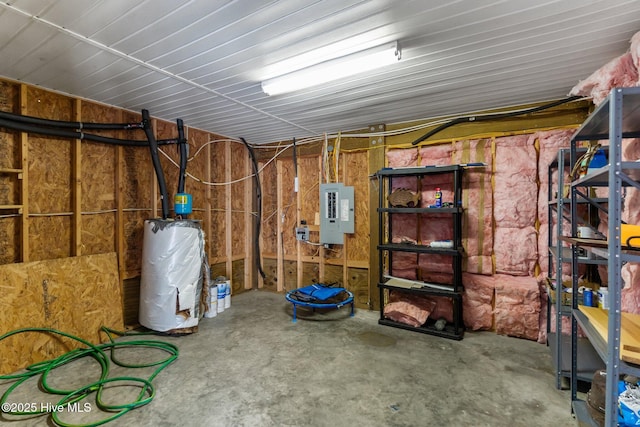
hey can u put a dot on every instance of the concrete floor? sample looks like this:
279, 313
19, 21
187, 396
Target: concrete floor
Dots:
252, 366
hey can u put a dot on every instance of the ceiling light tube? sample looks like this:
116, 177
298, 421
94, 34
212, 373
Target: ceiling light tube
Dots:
334, 69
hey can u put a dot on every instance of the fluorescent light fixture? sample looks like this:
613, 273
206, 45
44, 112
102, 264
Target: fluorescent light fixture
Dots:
334, 69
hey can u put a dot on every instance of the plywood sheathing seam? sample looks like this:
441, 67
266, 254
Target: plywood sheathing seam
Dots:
76, 295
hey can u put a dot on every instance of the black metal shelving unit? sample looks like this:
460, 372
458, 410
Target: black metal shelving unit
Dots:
559, 214
386, 249
616, 118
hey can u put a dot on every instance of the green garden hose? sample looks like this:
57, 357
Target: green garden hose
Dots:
74, 397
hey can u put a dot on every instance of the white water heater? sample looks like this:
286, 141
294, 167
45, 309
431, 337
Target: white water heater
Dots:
171, 279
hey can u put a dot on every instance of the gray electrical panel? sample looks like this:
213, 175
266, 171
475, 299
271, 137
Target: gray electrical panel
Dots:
336, 212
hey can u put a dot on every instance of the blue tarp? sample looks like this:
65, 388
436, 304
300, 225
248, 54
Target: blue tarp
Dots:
316, 292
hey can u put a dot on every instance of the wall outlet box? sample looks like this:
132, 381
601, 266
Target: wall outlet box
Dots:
302, 234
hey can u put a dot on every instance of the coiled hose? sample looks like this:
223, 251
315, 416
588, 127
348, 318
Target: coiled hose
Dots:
99, 353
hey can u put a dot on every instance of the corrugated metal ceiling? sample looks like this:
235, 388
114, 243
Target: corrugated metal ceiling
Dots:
203, 60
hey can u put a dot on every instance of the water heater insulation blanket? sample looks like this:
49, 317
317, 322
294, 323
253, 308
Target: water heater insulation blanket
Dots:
171, 280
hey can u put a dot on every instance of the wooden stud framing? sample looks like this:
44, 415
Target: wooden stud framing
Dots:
321, 253
376, 162
24, 191
249, 248
345, 247
120, 240
280, 249
228, 207
299, 263
76, 183
209, 195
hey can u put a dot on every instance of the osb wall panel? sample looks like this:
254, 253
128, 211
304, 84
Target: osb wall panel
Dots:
218, 246
288, 208
219, 269
98, 162
98, 233
9, 102
131, 301
48, 105
168, 130
355, 169
10, 238
49, 237
198, 168
309, 193
49, 175
333, 275
10, 185
237, 277
310, 273
268, 182
137, 187
76, 295
290, 275
49, 189
239, 158
270, 268
9, 182
98, 182
134, 235
358, 284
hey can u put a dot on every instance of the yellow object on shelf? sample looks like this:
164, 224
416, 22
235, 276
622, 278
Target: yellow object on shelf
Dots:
630, 235
629, 335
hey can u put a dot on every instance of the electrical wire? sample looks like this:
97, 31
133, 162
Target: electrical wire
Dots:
157, 166
99, 353
493, 116
258, 224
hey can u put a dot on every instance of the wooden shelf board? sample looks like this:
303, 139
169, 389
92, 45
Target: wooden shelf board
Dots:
629, 334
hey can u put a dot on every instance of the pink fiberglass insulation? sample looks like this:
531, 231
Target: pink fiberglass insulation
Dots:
409, 313
435, 227
565, 326
517, 306
477, 301
405, 228
429, 185
630, 297
432, 263
543, 259
404, 260
515, 206
402, 157
435, 155
619, 72
635, 50
549, 143
405, 273
405, 182
443, 306
516, 250
437, 277
408, 308
405, 265
477, 201
443, 310
516, 189
631, 149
